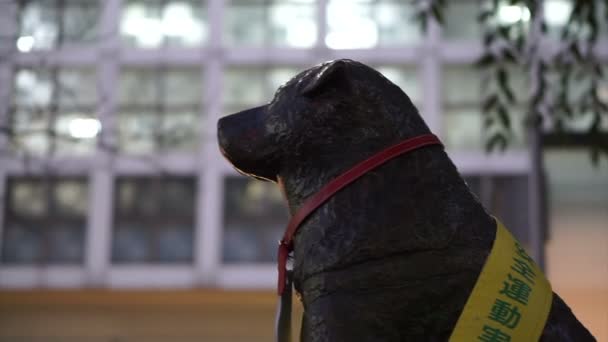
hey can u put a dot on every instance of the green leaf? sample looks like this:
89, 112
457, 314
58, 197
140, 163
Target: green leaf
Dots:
437, 13
497, 140
504, 31
576, 52
543, 27
565, 108
503, 82
597, 69
488, 38
509, 56
485, 60
422, 19
488, 122
504, 117
489, 103
484, 15
503, 77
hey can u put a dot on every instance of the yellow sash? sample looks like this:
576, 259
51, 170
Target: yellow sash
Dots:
511, 299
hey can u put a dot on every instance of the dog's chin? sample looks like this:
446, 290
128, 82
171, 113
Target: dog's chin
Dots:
256, 170
263, 177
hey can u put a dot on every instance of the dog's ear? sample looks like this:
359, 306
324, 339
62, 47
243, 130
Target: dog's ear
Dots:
332, 75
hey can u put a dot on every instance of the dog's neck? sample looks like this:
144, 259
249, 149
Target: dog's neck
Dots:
304, 177
416, 202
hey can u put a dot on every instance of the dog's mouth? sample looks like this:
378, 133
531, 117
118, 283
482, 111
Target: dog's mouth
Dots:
246, 143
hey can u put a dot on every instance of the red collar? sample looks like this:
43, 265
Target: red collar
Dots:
335, 185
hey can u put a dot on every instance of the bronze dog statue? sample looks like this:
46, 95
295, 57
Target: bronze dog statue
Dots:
395, 255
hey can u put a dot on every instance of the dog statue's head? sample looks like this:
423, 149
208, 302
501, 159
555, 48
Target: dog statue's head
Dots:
331, 113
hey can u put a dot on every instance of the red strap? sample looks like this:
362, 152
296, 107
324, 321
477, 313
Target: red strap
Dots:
338, 183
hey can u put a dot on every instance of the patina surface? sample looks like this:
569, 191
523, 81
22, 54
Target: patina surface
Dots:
394, 256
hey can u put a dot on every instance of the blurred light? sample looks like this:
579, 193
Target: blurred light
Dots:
147, 31
302, 34
557, 12
511, 14
387, 14
349, 28
178, 21
84, 128
300, 29
25, 43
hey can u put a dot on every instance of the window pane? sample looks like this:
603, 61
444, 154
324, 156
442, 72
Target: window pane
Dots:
453, 79
21, 244
160, 110
139, 87
70, 198
360, 24
154, 220
137, 132
30, 130
131, 243
27, 199
183, 87
175, 244
45, 221
461, 20
80, 21
66, 244
254, 220
153, 24
463, 119
76, 88
39, 26
76, 132
54, 111
277, 23
33, 87
249, 87
180, 131
462, 129
46, 24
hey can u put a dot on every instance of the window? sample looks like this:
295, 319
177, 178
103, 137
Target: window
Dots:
254, 220
461, 21
54, 111
155, 23
580, 121
153, 220
50, 24
248, 87
159, 110
45, 221
463, 119
271, 23
364, 24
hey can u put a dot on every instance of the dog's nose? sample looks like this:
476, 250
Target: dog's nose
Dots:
222, 136
238, 133
244, 140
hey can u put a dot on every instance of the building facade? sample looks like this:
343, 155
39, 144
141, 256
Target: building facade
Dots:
109, 167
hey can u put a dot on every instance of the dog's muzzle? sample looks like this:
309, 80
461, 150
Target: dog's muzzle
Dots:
247, 143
